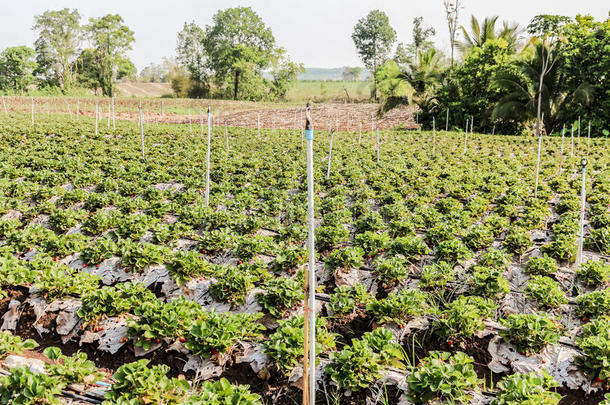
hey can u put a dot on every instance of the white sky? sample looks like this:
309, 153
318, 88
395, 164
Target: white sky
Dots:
316, 33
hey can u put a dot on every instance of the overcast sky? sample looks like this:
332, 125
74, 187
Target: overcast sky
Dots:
316, 33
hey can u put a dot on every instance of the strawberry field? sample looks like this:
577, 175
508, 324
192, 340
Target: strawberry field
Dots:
444, 275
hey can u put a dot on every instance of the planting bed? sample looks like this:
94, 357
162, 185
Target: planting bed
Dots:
441, 277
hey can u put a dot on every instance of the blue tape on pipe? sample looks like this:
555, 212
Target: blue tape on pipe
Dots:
309, 134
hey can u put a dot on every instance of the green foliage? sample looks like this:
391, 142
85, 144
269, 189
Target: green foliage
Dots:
71, 369
517, 240
409, 246
443, 376
233, 284
24, 387
541, 266
391, 271
185, 265
345, 258
113, 301
401, 307
594, 304
488, 282
437, 275
136, 383
595, 344
285, 346
347, 299
17, 67
218, 332
282, 294
530, 333
222, 392
11, 344
546, 291
58, 281
594, 273
527, 389
452, 251
463, 317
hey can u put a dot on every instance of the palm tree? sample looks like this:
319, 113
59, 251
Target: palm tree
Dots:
537, 90
486, 31
422, 77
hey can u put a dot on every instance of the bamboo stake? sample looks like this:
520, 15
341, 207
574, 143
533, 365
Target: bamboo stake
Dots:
309, 359
207, 160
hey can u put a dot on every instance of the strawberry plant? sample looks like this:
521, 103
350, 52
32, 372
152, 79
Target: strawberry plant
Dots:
285, 346
409, 246
401, 307
594, 304
64, 245
530, 333
289, 258
541, 266
58, 281
11, 344
599, 240
24, 387
517, 240
594, 273
217, 332
391, 271
13, 273
347, 299
372, 243
452, 251
443, 376
136, 256
327, 237
562, 248
478, 237
595, 345
527, 388
136, 383
113, 301
62, 220
184, 265
345, 258
102, 249
436, 276
463, 317
488, 282
71, 369
546, 292
282, 294
216, 240
232, 285
222, 392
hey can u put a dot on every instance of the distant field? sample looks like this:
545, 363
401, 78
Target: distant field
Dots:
315, 90
323, 91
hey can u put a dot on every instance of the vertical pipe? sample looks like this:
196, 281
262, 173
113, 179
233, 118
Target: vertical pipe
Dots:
330, 153
108, 116
581, 234
141, 128
538, 165
310, 286
588, 138
447, 121
466, 138
563, 131
207, 161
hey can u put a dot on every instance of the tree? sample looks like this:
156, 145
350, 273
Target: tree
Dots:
481, 33
158, 72
585, 58
192, 55
526, 97
452, 11
237, 42
284, 74
17, 67
406, 52
87, 70
57, 46
111, 39
373, 37
351, 73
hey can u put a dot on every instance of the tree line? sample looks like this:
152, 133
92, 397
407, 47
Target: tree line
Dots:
509, 78
59, 61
